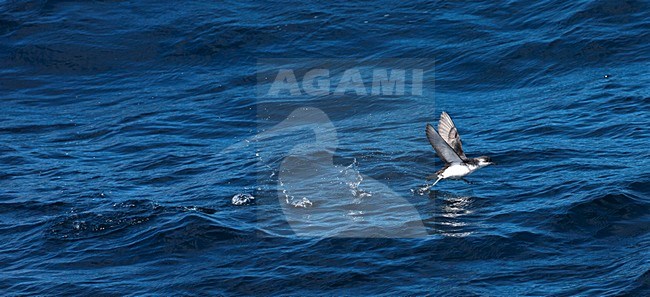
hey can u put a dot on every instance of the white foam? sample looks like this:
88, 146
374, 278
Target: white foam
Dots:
242, 199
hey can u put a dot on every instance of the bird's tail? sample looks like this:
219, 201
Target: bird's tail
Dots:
439, 178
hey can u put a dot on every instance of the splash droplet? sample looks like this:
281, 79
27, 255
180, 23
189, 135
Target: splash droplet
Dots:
242, 199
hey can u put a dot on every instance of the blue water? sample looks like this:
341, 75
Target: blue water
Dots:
126, 129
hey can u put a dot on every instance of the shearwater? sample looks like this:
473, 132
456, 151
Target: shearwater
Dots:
446, 142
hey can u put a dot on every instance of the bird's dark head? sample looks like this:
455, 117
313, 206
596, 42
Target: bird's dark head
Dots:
484, 161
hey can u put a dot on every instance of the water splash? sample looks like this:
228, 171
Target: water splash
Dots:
303, 202
348, 176
422, 190
352, 178
242, 199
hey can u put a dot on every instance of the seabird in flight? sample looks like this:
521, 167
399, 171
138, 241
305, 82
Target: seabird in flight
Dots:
446, 143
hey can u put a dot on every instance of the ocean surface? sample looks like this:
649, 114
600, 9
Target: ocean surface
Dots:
138, 156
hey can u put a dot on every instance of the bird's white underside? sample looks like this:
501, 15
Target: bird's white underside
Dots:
457, 171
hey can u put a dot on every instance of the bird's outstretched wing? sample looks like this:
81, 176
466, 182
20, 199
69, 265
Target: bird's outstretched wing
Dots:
449, 133
444, 151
